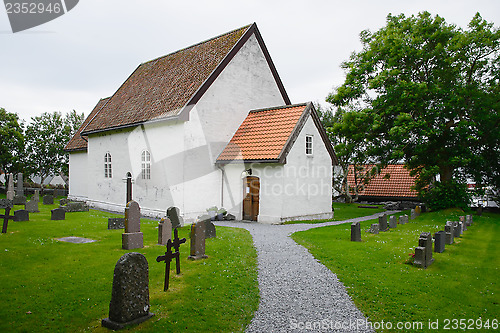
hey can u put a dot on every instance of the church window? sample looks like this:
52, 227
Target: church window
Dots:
146, 165
107, 165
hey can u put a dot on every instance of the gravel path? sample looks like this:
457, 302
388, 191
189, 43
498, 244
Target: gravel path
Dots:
297, 293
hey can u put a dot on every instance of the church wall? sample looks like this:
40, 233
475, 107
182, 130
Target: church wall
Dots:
78, 177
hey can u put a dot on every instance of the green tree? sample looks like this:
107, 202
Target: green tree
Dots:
46, 137
12, 139
430, 94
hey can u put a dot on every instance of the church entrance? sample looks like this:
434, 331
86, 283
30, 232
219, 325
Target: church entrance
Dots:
251, 198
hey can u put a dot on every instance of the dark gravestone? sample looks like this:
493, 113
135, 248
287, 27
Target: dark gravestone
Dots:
356, 232
197, 241
19, 200
57, 214
116, 223
32, 206
21, 215
439, 241
374, 228
210, 231
48, 200
164, 231
450, 232
393, 222
173, 213
423, 253
403, 219
72, 207
130, 295
382, 222
132, 238
59, 192
456, 229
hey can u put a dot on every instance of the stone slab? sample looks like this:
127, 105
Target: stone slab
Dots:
76, 240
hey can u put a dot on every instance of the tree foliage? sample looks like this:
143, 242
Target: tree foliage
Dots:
427, 93
12, 142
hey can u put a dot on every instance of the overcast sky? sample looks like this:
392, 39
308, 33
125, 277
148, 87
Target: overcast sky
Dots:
73, 61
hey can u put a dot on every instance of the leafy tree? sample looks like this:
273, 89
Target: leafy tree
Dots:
430, 94
12, 142
46, 137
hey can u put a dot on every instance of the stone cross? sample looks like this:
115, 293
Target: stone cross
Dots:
197, 241
164, 231
132, 238
173, 213
382, 222
423, 253
439, 241
20, 185
169, 255
130, 295
10, 188
356, 232
393, 222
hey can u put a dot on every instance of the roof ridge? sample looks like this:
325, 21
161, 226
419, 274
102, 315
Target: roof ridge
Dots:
279, 107
200, 43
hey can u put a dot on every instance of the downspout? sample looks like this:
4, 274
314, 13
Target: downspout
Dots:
221, 185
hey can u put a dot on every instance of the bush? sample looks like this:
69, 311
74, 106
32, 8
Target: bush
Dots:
446, 195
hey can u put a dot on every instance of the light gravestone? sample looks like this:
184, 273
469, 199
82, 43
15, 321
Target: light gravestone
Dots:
116, 223
382, 223
450, 232
374, 228
173, 213
356, 232
130, 294
403, 219
413, 214
21, 215
393, 222
57, 214
468, 220
32, 206
164, 231
132, 238
10, 188
20, 185
197, 241
36, 196
439, 241
423, 253
48, 199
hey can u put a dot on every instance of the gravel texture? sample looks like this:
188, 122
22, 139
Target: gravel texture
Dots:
297, 293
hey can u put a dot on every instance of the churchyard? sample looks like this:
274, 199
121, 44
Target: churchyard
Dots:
461, 283
50, 285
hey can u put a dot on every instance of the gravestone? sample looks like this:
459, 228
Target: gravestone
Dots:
393, 222
128, 194
48, 199
210, 231
7, 205
59, 193
32, 206
116, 223
355, 232
456, 229
197, 241
130, 294
57, 214
382, 223
423, 253
403, 219
173, 213
374, 228
10, 188
72, 207
230, 217
468, 220
164, 231
413, 214
19, 200
36, 196
21, 215
20, 185
63, 201
132, 238
418, 210
450, 232
439, 241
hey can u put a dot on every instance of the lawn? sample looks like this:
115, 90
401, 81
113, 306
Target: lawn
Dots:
48, 285
345, 212
461, 284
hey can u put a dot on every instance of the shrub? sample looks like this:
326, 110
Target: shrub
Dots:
446, 195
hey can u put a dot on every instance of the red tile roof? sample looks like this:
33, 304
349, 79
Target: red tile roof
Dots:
393, 181
77, 143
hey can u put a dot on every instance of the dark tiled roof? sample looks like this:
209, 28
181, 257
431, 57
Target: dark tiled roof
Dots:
77, 142
162, 87
393, 181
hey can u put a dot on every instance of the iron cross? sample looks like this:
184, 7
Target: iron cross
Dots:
6, 217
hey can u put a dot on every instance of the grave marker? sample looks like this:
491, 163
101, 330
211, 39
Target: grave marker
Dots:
132, 238
36, 196
450, 232
57, 214
164, 231
439, 241
423, 253
393, 222
130, 294
32, 206
20, 185
48, 199
10, 188
173, 213
169, 255
456, 230
382, 223
355, 232
210, 231
413, 214
198, 241
403, 219
21, 215
19, 200
468, 220
7, 205
374, 228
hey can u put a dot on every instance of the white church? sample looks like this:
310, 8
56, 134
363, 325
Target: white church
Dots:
208, 125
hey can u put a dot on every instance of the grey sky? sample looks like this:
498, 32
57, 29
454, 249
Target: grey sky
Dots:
74, 60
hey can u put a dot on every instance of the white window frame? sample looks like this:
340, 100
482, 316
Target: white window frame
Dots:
108, 173
146, 165
309, 145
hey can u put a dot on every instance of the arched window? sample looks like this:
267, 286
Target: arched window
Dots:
107, 166
146, 165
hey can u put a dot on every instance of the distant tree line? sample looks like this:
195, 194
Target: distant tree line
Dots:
424, 93
36, 148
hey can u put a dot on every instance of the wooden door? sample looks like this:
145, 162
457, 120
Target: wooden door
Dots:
251, 199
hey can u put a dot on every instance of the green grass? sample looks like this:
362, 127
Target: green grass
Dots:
345, 212
462, 283
48, 285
